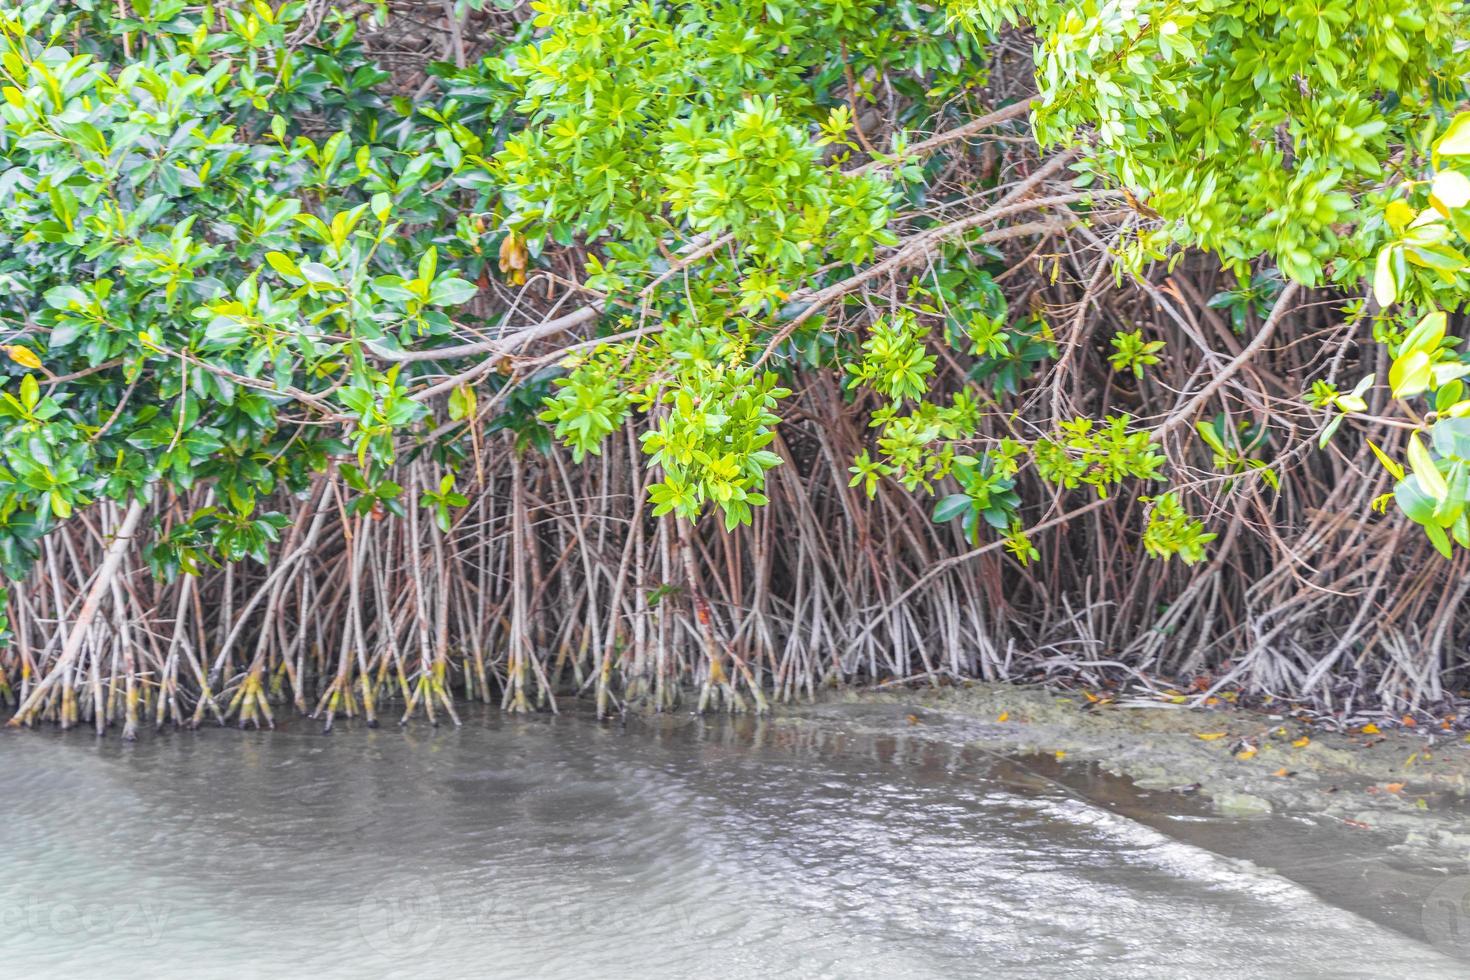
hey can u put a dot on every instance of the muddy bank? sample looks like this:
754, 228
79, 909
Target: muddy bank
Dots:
1412, 788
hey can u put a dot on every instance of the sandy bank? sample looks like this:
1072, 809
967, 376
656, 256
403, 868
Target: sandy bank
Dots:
1412, 787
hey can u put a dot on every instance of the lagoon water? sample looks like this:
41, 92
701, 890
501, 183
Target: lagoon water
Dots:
832, 846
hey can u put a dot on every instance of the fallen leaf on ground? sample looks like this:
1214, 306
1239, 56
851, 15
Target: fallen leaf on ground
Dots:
1003, 716
1302, 742
1209, 736
1370, 729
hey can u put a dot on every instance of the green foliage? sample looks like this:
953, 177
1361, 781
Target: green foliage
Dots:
710, 442
1422, 269
1132, 353
1250, 129
677, 104
442, 501
198, 264
1171, 531
221, 232
1317, 136
895, 362
1232, 448
589, 405
1099, 456
986, 495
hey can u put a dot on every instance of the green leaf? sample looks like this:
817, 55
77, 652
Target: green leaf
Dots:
1410, 374
1417, 505
1426, 334
1329, 431
1439, 539
283, 264
452, 292
1451, 437
1423, 466
951, 507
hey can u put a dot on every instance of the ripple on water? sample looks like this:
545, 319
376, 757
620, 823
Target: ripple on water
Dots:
566, 849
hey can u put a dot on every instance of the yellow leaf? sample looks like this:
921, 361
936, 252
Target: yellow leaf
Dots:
1398, 214
1003, 716
1246, 754
1302, 742
1370, 729
1456, 139
513, 257
1410, 373
1451, 188
1281, 772
1061, 755
1209, 736
24, 356
1390, 464
1385, 287
1431, 480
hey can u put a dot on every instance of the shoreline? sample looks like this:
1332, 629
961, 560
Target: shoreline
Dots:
1413, 788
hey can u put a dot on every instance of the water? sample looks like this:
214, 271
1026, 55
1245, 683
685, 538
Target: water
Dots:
564, 848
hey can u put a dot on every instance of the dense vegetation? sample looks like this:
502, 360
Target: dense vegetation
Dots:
418, 350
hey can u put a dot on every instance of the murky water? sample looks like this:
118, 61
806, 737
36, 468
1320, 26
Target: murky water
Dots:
564, 848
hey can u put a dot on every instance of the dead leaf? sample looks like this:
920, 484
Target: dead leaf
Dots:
1370, 729
513, 257
1395, 787
1003, 716
1209, 736
1302, 742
